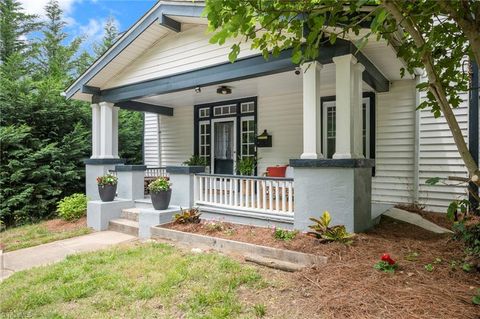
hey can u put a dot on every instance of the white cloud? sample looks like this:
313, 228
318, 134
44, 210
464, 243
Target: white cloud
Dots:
94, 31
38, 7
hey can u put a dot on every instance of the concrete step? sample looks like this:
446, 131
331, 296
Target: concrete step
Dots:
130, 213
125, 226
145, 203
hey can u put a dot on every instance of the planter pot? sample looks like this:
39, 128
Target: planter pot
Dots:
107, 192
161, 200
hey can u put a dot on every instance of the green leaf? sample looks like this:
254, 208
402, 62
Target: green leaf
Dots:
432, 181
452, 210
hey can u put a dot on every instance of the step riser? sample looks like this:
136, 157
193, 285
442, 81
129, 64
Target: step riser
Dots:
121, 228
129, 215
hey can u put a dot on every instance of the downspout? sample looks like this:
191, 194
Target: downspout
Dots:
473, 127
416, 155
143, 138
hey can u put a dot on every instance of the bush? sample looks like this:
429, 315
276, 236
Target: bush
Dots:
159, 185
188, 216
323, 231
196, 160
284, 234
72, 207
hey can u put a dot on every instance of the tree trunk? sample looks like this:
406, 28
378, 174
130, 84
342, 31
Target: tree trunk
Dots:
435, 84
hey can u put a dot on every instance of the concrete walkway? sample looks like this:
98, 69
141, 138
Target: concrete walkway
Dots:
415, 219
56, 251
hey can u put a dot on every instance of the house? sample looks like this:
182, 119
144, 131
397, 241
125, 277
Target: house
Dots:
346, 123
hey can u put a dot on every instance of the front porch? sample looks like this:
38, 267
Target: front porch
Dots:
330, 167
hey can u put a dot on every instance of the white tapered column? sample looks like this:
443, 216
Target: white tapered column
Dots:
106, 135
95, 130
311, 105
115, 132
358, 111
348, 106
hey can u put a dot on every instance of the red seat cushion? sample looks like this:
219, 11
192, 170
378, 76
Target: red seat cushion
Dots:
276, 171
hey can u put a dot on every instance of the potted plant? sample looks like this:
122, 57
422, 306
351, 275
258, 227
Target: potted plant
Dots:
160, 192
246, 165
196, 160
107, 187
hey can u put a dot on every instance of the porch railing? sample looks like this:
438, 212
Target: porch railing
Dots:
154, 172
248, 193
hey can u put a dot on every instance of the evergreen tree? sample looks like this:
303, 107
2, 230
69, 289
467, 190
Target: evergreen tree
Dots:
14, 28
110, 35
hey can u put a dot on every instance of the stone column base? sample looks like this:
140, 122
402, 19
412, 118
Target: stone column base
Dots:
93, 169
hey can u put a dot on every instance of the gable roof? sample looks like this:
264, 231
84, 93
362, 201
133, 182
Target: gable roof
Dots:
153, 24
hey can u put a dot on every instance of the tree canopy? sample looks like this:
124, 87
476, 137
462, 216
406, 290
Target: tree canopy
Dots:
433, 35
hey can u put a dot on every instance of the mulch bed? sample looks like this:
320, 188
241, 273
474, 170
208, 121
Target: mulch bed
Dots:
59, 225
348, 286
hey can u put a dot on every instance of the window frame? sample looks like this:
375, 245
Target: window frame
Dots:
369, 99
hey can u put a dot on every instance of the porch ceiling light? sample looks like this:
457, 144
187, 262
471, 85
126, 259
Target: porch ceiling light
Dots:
224, 90
198, 89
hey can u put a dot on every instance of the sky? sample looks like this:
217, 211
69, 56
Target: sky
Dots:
87, 17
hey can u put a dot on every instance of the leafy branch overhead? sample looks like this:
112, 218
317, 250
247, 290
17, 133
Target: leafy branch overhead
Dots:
435, 36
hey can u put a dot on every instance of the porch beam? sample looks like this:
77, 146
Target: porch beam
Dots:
145, 107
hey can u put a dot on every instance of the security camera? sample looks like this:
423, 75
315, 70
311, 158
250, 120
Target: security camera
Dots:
297, 70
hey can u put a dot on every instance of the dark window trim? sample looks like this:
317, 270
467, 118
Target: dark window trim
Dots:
371, 96
238, 116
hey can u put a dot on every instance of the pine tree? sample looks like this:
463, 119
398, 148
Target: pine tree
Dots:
15, 26
111, 34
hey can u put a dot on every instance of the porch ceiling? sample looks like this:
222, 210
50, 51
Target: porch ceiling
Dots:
265, 86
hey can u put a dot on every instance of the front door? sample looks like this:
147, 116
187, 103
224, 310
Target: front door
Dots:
224, 145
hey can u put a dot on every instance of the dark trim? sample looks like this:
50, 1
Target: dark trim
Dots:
239, 115
249, 177
170, 23
143, 138
130, 168
145, 107
91, 90
249, 67
371, 96
103, 161
473, 119
185, 169
336, 163
126, 39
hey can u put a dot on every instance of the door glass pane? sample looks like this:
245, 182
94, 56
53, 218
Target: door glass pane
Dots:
224, 140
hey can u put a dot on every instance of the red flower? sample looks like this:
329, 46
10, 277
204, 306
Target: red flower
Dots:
386, 257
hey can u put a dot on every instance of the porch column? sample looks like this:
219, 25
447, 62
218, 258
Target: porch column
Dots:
95, 130
115, 132
106, 130
358, 110
311, 105
348, 107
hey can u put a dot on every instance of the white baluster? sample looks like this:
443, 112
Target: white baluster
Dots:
270, 196
241, 191
264, 195
257, 193
290, 197
277, 195
230, 195
284, 197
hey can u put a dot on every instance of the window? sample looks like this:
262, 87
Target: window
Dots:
247, 137
329, 128
204, 140
203, 113
225, 110
248, 107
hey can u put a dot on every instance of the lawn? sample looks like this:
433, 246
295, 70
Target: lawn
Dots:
139, 281
41, 233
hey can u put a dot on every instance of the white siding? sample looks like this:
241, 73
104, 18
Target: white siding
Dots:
151, 140
176, 136
177, 53
438, 157
395, 144
281, 116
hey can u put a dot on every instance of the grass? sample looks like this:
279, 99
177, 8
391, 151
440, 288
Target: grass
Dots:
141, 281
37, 234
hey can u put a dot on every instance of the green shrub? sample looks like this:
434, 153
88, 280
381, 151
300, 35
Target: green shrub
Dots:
196, 160
187, 216
284, 234
159, 185
72, 207
323, 231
